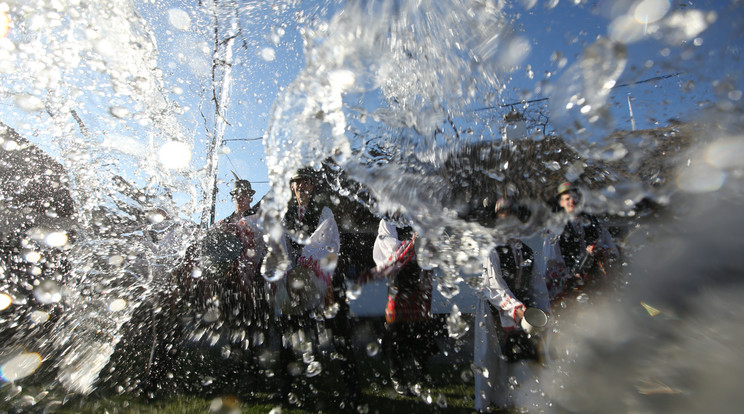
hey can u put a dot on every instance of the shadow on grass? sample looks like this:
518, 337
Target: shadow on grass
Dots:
203, 379
229, 392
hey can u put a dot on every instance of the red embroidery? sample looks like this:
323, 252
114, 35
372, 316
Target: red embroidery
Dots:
315, 267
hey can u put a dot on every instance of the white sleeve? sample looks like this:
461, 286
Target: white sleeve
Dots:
325, 240
496, 290
386, 243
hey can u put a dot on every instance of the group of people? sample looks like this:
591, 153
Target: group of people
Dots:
520, 294
221, 277
511, 346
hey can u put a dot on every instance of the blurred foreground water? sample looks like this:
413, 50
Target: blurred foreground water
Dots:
115, 112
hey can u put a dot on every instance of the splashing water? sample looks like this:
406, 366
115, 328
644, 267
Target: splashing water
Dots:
389, 105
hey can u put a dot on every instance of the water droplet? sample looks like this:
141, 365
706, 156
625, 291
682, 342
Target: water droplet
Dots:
441, 401
701, 178
330, 311
373, 348
47, 292
725, 152
268, 54
20, 366
155, 217
342, 79
119, 112
582, 298
117, 305
175, 155
26, 401
354, 291
116, 260
479, 370
179, 19
276, 35
329, 262
215, 405
313, 368
448, 290
10, 145
456, 325
56, 239
650, 11
32, 257
38, 317
5, 301
553, 166
211, 315
29, 103
613, 152
466, 375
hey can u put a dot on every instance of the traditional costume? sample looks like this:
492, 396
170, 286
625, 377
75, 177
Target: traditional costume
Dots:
408, 328
507, 370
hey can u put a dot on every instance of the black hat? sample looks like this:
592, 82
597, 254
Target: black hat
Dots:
302, 174
241, 186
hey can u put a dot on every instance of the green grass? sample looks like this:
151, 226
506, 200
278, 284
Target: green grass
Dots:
227, 392
204, 380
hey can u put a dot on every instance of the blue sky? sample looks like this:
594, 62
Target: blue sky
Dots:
270, 53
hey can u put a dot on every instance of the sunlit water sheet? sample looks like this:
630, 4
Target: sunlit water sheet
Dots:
404, 99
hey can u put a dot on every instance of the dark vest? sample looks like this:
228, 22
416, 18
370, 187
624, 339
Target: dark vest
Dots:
572, 240
407, 280
300, 230
510, 268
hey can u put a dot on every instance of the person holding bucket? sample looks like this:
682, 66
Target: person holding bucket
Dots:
510, 326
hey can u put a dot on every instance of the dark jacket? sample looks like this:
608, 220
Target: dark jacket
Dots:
297, 229
510, 270
573, 241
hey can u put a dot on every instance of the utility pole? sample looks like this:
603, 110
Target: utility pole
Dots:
630, 109
221, 86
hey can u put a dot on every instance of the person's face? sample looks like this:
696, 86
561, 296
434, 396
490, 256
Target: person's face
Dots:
505, 209
568, 201
243, 200
303, 189
503, 214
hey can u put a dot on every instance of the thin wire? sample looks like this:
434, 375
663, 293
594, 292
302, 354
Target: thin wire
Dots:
236, 168
241, 139
655, 78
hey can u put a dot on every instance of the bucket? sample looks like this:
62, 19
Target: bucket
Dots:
534, 320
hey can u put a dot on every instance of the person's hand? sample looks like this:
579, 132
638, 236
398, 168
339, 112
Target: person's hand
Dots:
590, 249
518, 315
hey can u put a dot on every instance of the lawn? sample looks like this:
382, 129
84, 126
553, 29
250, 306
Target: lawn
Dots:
205, 380
376, 398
